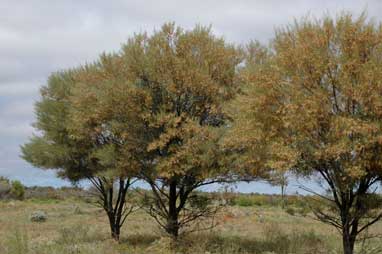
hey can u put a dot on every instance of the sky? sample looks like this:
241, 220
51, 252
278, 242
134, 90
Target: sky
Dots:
38, 37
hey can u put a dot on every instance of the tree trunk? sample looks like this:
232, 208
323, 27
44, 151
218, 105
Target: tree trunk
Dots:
172, 226
115, 229
348, 242
115, 209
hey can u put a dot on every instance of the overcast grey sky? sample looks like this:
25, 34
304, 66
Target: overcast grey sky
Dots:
38, 37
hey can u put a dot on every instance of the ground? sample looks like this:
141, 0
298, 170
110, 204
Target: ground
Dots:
75, 226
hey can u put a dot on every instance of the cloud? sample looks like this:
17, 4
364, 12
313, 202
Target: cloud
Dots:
42, 36
15, 130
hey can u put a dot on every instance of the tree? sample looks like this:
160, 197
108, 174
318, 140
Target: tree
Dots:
280, 179
189, 74
314, 106
162, 96
76, 158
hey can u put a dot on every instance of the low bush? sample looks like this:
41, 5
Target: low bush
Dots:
5, 187
38, 216
290, 211
17, 190
11, 189
257, 200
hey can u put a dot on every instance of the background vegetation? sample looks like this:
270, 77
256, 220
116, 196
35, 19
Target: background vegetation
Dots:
75, 225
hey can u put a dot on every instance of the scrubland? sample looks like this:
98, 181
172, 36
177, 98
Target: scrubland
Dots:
248, 224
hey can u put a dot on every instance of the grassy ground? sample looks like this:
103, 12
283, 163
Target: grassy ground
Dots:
78, 227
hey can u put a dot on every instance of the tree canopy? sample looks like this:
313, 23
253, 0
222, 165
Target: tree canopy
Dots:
153, 110
181, 109
314, 105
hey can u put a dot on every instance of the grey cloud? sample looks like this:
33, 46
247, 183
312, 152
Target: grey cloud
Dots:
20, 88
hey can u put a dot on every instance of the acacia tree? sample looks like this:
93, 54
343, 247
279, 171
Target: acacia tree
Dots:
315, 106
189, 74
164, 99
74, 158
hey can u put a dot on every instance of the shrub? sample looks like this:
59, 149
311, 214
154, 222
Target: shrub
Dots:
11, 190
244, 201
290, 211
303, 211
38, 216
268, 200
5, 187
17, 190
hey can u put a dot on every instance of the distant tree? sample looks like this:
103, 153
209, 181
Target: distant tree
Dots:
315, 106
89, 157
280, 179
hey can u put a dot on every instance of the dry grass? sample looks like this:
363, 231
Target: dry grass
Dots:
79, 227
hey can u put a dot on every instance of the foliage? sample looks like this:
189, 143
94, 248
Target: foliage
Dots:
11, 189
309, 103
5, 187
17, 189
155, 107
76, 158
245, 201
314, 106
290, 211
152, 110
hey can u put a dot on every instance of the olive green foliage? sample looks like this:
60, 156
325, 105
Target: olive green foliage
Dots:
5, 187
55, 148
75, 158
17, 189
11, 189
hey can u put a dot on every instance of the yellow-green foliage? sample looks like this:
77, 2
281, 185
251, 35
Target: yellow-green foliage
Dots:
11, 189
17, 189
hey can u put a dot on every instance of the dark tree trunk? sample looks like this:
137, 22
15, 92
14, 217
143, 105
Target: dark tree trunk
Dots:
169, 201
172, 226
350, 203
115, 229
115, 208
348, 242
349, 230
